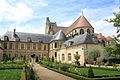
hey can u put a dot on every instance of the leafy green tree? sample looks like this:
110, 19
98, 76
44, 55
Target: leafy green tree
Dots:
107, 52
115, 20
77, 57
116, 23
94, 54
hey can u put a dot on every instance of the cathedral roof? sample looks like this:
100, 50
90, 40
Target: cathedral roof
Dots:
24, 36
82, 39
80, 22
59, 36
56, 29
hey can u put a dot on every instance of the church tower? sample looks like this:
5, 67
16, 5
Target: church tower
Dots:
49, 29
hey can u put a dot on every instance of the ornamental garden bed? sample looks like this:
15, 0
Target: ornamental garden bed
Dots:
11, 65
12, 71
81, 72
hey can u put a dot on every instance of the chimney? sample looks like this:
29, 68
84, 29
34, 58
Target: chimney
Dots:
47, 20
14, 31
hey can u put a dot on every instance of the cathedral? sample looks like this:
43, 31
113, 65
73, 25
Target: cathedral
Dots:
61, 43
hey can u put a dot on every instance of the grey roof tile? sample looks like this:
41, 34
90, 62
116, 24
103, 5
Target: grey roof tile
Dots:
59, 36
24, 36
82, 39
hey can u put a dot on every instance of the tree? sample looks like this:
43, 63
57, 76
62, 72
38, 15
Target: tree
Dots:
94, 54
116, 23
77, 57
107, 52
116, 20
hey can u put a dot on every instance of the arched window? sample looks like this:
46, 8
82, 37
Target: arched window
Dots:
55, 54
63, 57
81, 31
69, 56
55, 46
29, 39
88, 31
6, 38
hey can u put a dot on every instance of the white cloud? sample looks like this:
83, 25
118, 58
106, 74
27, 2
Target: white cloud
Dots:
36, 3
66, 23
26, 28
97, 19
20, 12
104, 27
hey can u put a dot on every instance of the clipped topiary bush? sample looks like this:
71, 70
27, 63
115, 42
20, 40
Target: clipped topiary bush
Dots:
90, 73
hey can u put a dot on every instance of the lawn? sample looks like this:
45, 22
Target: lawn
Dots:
10, 74
97, 72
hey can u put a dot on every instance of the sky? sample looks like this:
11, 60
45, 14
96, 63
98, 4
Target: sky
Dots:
29, 15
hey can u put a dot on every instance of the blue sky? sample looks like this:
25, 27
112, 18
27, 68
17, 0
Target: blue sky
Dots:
29, 15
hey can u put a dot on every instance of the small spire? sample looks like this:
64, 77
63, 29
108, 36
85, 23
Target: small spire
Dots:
82, 13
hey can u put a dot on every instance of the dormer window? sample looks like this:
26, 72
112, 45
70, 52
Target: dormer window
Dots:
40, 40
17, 39
70, 43
29, 39
6, 38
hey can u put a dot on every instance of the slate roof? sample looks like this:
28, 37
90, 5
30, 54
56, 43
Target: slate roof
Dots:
59, 36
24, 36
82, 39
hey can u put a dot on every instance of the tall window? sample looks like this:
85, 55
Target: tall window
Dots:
55, 54
39, 46
10, 45
34, 46
28, 46
16, 45
44, 47
22, 46
5, 45
55, 45
69, 56
63, 57
88, 31
81, 31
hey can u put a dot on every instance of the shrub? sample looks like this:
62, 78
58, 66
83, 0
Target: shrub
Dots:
90, 73
64, 68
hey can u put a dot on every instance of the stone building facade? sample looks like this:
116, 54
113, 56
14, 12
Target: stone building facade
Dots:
59, 42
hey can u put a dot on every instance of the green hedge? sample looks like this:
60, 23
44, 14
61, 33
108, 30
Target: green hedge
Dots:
11, 66
83, 78
66, 70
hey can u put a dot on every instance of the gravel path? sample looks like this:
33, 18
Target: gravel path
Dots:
46, 74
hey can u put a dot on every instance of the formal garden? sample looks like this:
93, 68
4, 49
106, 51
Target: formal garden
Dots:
16, 70
81, 72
